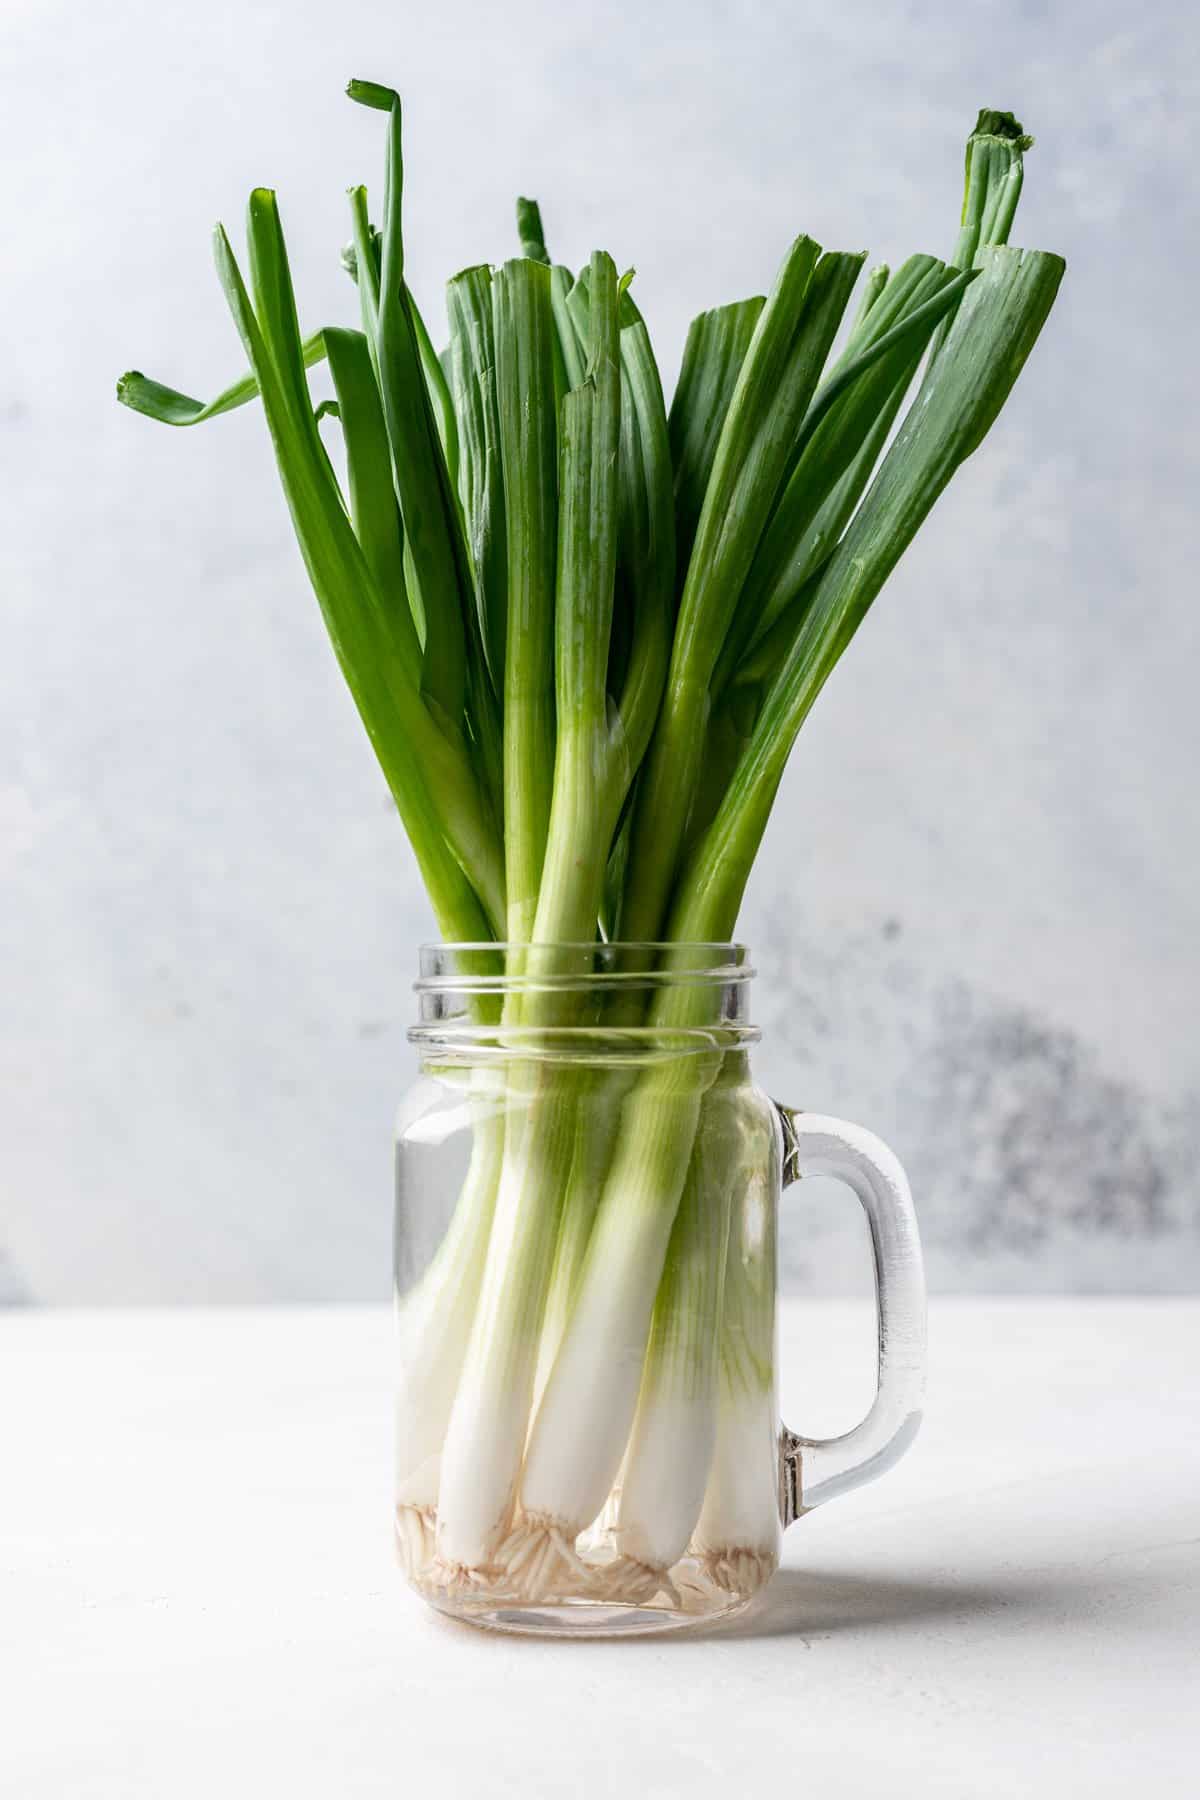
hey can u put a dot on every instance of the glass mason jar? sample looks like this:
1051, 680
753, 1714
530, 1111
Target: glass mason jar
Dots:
587, 1184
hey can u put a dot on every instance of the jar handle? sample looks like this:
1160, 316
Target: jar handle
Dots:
814, 1470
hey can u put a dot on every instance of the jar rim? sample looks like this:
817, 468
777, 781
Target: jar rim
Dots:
611, 963
599, 1000
729, 946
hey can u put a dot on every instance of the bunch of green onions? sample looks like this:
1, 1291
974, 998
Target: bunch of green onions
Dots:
582, 630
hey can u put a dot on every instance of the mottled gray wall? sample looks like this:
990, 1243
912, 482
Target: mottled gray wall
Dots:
976, 913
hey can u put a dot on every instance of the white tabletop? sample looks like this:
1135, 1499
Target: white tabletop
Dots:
197, 1596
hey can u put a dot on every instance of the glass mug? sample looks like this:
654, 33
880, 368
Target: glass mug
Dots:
587, 1185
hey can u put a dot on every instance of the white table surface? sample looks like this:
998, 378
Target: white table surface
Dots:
197, 1596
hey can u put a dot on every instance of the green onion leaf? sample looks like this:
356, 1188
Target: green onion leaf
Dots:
994, 330
994, 175
438, 388
588, 788
523, 324
371, 93
480, 475
529, 231
774, 388
417, 760
432, 526
646, 546
571, 345
170, 407
373, 507
867, 385
716, 347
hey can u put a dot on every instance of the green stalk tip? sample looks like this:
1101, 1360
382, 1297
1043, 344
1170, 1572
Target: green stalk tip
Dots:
530, 231
373, 94
992, 123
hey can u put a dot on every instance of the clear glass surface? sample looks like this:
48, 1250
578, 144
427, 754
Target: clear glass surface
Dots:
587, 1187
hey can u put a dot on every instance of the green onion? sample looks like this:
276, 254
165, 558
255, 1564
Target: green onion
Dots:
530, 232
775, 385
583, 630
446, 823
137, 391
737, 1531
673, 1437
523, 326
431, 520
481, 478
712, 361
995, 172
373, 509
997, 325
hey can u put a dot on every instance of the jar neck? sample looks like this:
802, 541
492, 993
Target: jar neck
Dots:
596, 1003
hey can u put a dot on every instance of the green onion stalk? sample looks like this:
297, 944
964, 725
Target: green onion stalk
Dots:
582, 630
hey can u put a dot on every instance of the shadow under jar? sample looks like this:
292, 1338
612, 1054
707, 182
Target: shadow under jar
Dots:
587, 1186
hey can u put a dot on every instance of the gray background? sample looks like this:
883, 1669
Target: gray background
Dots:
976, 911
